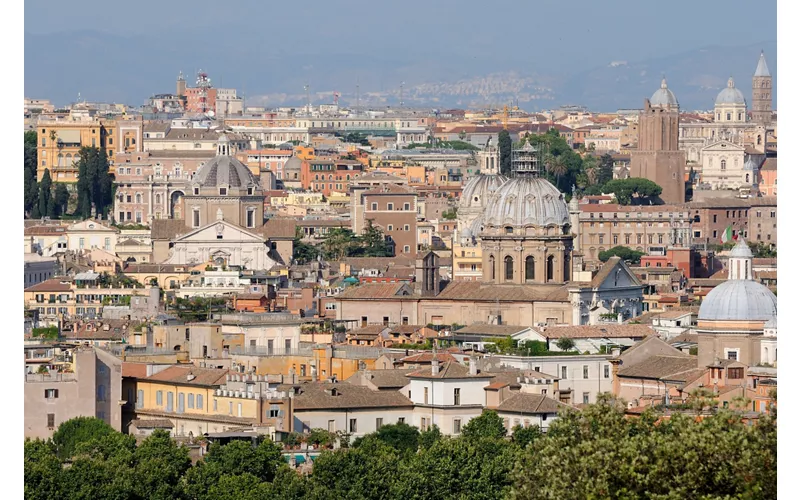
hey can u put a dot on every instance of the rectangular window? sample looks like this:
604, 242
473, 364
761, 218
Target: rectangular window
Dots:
159, 398
426, 396
195, 218
353, 425
606, 372
140, 398
401, 420
331, 425
230, 407
51, 420
390, 206
378, 423
406, 206
215, 404
81, 243
287, 344
456, 426
181, 402
736, 373
585, 371
51, 393
586, 398
733, 355
374, 206
199, 401
108, 244
239, 409
457, 396
170, 400
190, 401
564, 372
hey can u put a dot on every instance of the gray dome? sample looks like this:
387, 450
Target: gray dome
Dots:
526, 201
663, 96
730, 95
739, 300
222, 171
741, 250
293, 163
477, 190
771, 323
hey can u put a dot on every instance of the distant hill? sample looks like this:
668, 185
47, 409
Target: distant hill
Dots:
114, 68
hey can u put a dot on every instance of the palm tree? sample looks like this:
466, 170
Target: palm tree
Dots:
556, 166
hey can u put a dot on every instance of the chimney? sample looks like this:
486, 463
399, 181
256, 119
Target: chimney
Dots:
473, 366
435, 365
615, 352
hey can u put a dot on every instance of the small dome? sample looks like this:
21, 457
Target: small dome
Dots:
751, 164
477, 190
525, 201
663, 96
739, 300
293, 163
730, 95
741, 250
223, 171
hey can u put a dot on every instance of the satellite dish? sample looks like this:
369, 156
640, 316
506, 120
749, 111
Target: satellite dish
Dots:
210, 113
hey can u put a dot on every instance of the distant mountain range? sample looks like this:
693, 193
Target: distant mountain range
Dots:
114, 68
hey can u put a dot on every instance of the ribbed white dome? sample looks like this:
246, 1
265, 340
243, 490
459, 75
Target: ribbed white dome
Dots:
477, 190
741, 250
730, 95
663, 96
526, 201
739, 300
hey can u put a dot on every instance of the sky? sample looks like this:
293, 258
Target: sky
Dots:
551, 37
629, 29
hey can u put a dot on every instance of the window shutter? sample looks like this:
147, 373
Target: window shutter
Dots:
56, 395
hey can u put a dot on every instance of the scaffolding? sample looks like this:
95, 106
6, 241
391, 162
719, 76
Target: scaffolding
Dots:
526, 160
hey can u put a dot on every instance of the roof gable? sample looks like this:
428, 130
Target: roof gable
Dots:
615, 274
723, 145
230, 232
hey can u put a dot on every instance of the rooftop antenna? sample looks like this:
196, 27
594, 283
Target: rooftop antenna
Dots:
308, 98
402, 84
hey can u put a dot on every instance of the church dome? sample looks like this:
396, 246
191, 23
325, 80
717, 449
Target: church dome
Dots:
730, 95
293, 163
224, 171
525, 201
663, 96
477, 190
741, 250
739, 300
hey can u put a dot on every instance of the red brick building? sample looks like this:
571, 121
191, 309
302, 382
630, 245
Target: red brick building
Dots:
394, 209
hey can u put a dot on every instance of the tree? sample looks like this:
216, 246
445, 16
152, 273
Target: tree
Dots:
606, 172
78, 430
430, 436
95, 184
402, 437
31, 165
302, 252
523, 436
338, 243
366, 472
625, 189
565, 344
624, 253
451, 214
61, 199
462, 135
46, 205
373, 242
504, 148
487, 425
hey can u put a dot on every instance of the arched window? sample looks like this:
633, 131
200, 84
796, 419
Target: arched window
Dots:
747, 177
60, 160
138, 197
158, 199
758, 140
69, 159
491, 266
530, 272
550, 268
509, 268
722, 164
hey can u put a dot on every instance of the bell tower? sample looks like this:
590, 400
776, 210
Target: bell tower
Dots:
762, 92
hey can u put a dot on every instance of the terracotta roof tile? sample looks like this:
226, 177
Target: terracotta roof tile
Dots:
680, 368
208, 377
134, 370
484, 329
531, 404
450, 370
383, 379
278, 227
52, 285
598, 331
317, 396
167, 229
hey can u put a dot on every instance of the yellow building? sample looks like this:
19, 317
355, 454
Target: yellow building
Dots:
56, 299
60, 142
467, 262
304, 152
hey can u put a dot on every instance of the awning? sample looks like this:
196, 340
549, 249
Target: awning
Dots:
69, 136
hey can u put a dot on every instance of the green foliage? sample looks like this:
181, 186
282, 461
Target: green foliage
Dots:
321, 437
523, 436
504, 149
487, 425
402, 437
31, 163
47, 332
366, 472
606, 170
451, 214
635, 191
628, 255
78, 430
693, 351
373, 243
95, 183
565, 344
60, 199
199, 308
761, 250
46, 202
356, 138
430, 436
342, 242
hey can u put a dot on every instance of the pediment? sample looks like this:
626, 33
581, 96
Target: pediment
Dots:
227, 231
723, 145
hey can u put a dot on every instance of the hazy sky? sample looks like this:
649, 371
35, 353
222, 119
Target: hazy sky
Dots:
584, 31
